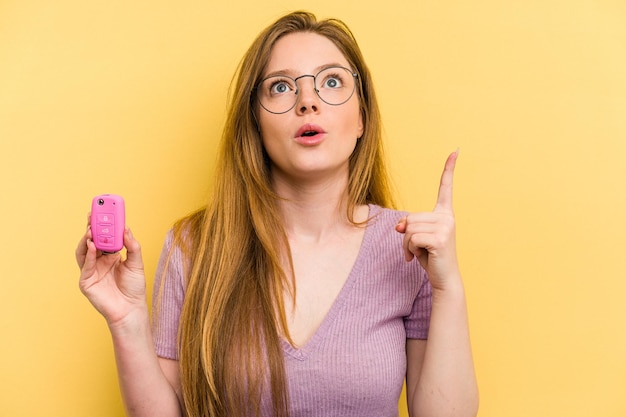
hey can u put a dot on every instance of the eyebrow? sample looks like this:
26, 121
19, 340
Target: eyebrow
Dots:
293, 73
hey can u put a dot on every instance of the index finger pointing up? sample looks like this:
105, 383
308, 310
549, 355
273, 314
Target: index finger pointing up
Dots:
444, 199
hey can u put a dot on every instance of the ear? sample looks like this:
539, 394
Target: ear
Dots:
360, 127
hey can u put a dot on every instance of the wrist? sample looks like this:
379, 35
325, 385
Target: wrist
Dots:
452, 289
136, 321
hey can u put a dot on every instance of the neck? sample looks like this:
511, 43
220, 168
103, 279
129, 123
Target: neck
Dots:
314, 210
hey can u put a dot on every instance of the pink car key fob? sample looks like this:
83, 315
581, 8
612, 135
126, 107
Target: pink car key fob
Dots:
108, 221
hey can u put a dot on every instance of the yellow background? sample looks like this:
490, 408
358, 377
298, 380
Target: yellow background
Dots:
128, 97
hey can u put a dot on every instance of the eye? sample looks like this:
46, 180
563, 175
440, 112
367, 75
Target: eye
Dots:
278, 86
332, 81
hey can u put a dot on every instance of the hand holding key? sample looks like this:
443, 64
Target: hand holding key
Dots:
116, 287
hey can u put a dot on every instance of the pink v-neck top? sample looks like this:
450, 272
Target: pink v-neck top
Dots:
355, 363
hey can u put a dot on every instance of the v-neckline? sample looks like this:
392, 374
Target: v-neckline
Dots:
311, 345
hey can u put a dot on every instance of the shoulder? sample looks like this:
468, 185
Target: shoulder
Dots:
179, 246
384, 218
381, 233
186, 232
385, 244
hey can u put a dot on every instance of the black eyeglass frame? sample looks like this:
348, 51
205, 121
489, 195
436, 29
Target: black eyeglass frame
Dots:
354, 74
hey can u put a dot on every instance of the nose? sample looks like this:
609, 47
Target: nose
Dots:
307, 99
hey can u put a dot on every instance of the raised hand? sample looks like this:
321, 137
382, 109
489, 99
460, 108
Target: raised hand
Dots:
114, 286
430, 236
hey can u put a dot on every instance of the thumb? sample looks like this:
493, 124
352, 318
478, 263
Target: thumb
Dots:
133, 251
401, 225
89, 261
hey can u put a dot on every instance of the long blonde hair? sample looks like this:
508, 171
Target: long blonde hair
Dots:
233, 316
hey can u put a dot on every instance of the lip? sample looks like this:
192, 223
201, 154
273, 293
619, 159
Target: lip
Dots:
310, 139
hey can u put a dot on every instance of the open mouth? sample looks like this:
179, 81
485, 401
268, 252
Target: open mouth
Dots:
309, 130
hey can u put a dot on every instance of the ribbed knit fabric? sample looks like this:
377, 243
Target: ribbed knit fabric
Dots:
355, 363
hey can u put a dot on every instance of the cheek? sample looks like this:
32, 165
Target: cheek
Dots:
270, 132
268, 145
268, 128
269, 122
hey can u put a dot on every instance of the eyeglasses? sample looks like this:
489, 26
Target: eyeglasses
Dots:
279, 93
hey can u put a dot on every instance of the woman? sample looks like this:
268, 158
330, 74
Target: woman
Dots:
294, 292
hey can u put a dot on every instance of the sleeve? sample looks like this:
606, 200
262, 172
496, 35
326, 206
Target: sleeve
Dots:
167, 300
417, 323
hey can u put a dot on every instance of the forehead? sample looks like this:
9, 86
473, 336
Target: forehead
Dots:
303, 52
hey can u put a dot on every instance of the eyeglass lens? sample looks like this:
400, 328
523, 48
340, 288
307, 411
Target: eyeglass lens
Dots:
333, 85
